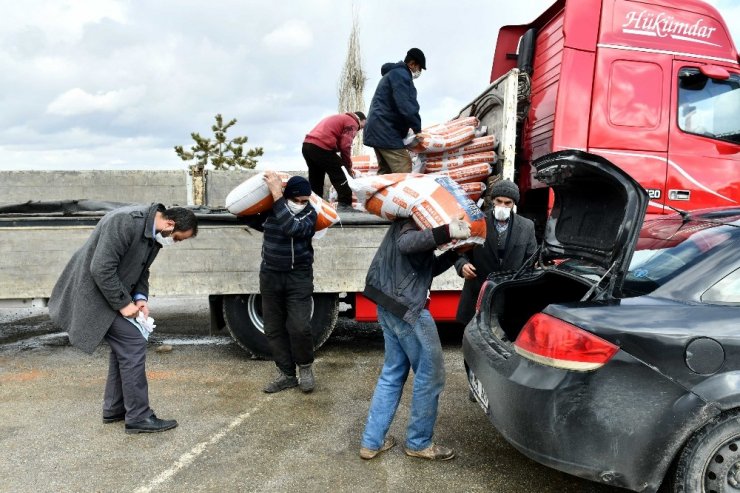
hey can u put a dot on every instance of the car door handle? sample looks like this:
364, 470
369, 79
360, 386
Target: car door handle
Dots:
679, 194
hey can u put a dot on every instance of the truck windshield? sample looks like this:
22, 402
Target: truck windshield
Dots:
709, 107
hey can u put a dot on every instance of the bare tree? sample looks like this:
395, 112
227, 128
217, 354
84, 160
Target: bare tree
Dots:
352, 80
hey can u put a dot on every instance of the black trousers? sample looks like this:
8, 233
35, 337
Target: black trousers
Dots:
286, 311
321, 163
126, 388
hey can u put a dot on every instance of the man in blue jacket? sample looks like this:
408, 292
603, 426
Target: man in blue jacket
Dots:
286, 281
393, 111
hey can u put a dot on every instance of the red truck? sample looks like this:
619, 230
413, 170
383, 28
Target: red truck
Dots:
653, 87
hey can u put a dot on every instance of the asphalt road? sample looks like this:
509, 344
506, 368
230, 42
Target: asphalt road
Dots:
232, 436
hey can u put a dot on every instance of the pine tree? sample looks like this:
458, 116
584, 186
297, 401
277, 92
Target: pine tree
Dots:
220, 151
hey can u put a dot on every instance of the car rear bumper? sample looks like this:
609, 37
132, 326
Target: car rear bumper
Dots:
620, 425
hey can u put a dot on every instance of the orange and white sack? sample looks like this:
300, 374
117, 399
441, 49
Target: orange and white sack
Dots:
431, 200
474, 190
326, 215
479, 144
437, 142
364, 163
467, 174
446, 203
450, 163
380, 196
253, 196
446, 127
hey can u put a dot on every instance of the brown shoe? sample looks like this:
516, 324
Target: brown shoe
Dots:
368, 453
432, 452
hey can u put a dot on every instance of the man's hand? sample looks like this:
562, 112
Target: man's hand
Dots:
129, 310
468, 271
459, 229
274, 183
143, 307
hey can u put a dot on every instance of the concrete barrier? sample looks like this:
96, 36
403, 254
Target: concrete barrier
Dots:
170, 187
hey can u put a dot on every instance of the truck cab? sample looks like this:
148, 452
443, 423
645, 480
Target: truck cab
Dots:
653, 87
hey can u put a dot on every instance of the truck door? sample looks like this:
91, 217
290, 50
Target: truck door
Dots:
704, 138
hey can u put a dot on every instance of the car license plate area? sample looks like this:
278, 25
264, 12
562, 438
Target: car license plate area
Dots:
477, 388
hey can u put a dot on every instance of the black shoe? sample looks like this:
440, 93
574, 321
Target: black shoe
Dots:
282, 382
306, 381
114, 418
152, 424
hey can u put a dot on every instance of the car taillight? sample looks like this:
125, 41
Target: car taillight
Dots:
550, 341
480, 296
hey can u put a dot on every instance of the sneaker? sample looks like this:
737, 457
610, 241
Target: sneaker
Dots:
345, 208
368, 453
282, 382
432, 452
307, 382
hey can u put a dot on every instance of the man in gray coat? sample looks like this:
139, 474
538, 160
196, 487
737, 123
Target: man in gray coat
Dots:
108, 279
510, 241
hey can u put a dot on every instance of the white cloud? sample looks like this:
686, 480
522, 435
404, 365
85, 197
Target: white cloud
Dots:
118, 83
293, 36
78, 102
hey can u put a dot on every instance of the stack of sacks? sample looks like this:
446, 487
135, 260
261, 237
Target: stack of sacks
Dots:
446, 136
430, 200
362, 165
468, 163
253, 196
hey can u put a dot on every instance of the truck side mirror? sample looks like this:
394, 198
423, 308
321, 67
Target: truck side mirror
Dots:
715, 72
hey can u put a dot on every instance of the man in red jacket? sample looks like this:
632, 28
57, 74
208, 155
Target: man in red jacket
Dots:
334, 134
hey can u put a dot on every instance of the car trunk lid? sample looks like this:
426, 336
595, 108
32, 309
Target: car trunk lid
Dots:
597, 213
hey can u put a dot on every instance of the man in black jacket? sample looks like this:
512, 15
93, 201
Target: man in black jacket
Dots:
286, 281
398, 280
510, 241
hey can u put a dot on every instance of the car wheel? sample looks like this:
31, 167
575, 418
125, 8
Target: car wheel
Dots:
710, 460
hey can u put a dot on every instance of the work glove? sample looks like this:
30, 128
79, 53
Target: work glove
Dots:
459, 229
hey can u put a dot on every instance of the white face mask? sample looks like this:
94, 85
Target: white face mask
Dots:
501, 213
416, 75
165, 240
294, 207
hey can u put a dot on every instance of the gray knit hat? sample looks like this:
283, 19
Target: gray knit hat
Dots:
505, 188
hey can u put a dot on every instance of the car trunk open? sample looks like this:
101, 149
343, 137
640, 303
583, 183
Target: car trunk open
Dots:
514, 302
595, 222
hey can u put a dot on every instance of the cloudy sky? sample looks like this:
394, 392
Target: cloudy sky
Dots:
115, 84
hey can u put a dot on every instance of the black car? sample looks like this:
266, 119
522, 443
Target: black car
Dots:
619, 360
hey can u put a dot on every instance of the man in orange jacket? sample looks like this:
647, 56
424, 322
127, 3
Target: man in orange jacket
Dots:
334, 134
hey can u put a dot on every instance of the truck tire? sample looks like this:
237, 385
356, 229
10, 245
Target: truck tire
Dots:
243, 318
710, 460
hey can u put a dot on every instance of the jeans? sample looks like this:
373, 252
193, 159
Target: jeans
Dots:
286, 311
406, 346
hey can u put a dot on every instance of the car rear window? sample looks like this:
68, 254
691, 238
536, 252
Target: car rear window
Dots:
659, 259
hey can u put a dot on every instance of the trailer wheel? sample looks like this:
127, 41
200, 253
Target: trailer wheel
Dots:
243, 318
